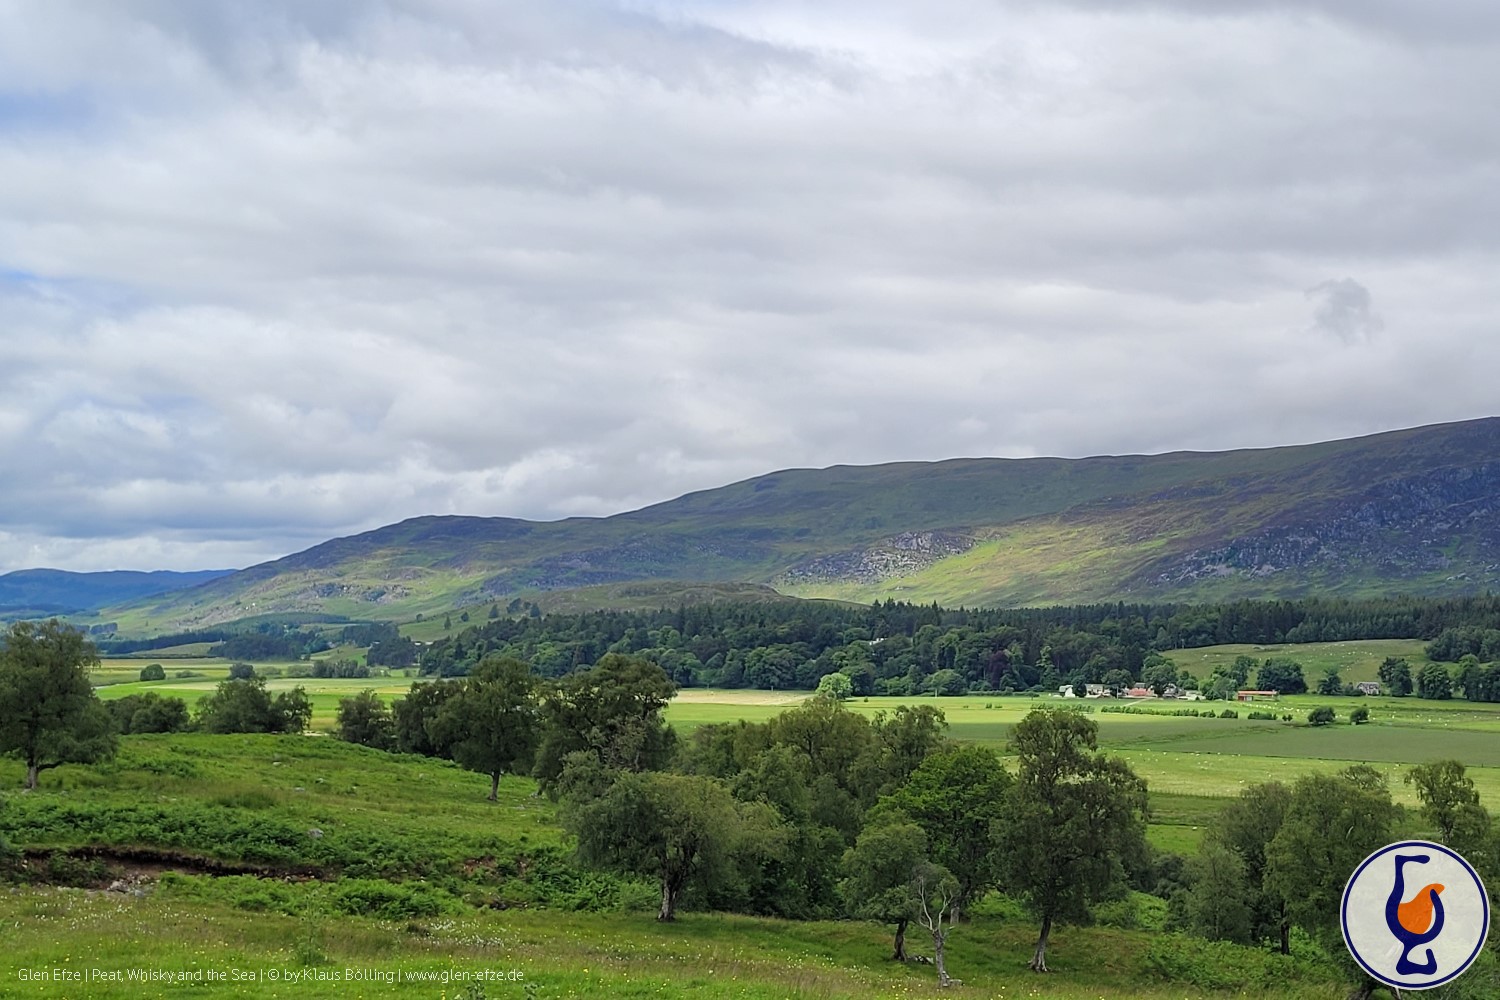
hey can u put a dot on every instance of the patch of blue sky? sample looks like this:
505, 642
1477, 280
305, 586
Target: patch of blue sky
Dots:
92, 294
45, 111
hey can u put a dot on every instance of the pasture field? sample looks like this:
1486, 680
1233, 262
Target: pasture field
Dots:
323, 692
1357, 660
121, 669
1193, 766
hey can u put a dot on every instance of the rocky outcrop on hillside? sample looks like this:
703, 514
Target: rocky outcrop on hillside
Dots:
897, 555
1447, 520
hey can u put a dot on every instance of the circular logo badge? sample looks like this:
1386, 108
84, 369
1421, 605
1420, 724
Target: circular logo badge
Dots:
1415, 915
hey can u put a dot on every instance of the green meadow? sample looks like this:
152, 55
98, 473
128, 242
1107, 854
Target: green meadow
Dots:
1356, 660
413, 876
371, 874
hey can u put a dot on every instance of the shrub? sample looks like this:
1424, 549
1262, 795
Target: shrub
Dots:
1320, 716
244, 706
1221, 966
153, 672
390, 900
1360, 716
148, 713
1229, 713
1265, 716
241, 671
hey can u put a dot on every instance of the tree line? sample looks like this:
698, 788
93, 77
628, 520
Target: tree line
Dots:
894, 648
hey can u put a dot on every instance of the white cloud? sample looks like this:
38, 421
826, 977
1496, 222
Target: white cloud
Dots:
276, 272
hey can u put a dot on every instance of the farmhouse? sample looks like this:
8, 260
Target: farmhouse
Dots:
1091, 691
1368, 687
1256, 695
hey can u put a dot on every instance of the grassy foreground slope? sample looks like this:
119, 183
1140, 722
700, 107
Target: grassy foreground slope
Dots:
1408, 511
557, 954
255, 856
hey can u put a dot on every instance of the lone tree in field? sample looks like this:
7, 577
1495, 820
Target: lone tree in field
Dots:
836, 686
681, 829
49, 714
491, 725
1074, 817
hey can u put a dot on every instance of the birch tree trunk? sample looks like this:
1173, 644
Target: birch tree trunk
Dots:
938, 939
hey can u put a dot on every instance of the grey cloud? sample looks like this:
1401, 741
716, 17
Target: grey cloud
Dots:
1344, 310
305, 269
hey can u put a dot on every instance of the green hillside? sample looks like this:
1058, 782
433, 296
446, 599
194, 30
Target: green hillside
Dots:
1412, 511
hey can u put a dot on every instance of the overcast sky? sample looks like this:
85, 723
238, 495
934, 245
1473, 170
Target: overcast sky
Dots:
272, 272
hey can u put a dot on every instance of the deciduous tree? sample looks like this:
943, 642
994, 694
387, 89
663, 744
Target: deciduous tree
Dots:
49, 714
956, 796
1451, 803
1435, 682
413, 715
492, 724
1279, 673
1217, 902
1332, 823
1073, 818
366, 719
1395, 676
836, 686
878, 872
613, 710
245, 706
935, 903
1247, 826
682, 830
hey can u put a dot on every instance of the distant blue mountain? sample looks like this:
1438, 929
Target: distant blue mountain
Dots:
56, 591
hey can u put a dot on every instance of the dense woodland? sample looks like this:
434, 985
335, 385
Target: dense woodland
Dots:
901, 649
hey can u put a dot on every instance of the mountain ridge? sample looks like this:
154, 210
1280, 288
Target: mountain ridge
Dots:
56, 591
1407, 510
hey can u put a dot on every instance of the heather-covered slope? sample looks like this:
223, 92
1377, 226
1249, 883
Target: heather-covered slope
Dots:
1407, 511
